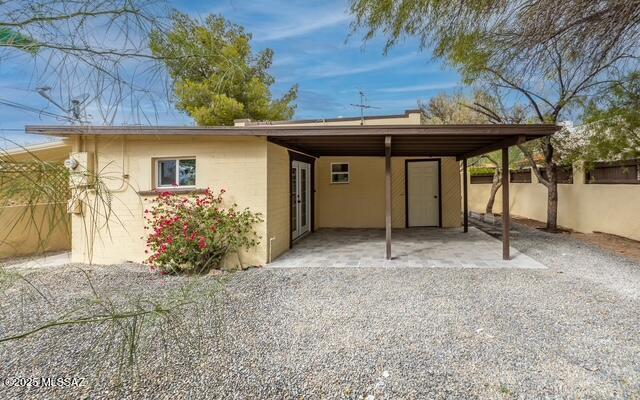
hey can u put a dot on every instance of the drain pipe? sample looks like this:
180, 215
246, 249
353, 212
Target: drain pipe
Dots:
271, 239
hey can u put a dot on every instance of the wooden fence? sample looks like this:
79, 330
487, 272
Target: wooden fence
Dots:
616, 172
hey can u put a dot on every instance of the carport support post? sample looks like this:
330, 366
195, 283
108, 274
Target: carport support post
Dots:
465, 196
387, 189
505, 203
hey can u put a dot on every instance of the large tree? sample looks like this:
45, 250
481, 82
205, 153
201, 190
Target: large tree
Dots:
554, 57
218, 77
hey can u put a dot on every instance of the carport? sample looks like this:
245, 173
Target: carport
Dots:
460, 141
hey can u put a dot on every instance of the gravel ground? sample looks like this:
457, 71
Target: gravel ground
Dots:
570, 331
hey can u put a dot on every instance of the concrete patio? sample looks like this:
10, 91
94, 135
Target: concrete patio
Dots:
413, 248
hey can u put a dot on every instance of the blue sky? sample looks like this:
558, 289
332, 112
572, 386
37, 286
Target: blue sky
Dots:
312, 48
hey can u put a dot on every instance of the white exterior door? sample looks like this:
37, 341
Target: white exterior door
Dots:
423, 204
300, 199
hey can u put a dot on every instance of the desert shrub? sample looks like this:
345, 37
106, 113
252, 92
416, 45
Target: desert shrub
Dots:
193, 234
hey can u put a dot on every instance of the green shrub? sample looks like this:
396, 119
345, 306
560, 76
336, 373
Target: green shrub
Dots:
193, 234
481, 171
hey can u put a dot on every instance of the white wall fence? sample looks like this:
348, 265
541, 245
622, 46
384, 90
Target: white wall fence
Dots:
609, 208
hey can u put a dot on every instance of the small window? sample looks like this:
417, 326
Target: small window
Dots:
339, 172
176, 172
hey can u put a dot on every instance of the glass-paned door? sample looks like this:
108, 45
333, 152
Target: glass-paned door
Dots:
300, 198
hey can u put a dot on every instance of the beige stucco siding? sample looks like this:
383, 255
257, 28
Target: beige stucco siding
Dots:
361, 203
239, 165
26, 230
583, 207
278, 218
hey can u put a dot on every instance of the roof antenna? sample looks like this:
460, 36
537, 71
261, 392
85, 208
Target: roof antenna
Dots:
362, 106
75, 111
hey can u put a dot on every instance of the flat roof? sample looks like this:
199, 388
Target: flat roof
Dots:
249, 121
458, 140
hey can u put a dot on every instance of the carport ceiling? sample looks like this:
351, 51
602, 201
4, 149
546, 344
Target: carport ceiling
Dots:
459, 141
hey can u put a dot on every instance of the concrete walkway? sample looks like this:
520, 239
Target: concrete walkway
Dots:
45, 261
413, 247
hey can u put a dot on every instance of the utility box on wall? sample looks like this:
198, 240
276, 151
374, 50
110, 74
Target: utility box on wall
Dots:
74, 206
80, 166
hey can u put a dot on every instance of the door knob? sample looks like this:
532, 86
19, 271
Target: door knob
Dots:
435, 197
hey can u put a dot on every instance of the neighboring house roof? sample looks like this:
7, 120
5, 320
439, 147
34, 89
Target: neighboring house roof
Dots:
369, 140
56, 151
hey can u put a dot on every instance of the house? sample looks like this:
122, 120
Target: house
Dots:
379, 172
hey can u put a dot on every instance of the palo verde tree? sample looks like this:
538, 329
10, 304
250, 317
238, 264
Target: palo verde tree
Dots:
551, 57
85, 54
217, 76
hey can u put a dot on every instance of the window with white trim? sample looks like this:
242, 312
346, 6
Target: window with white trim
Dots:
176, 172
339, 172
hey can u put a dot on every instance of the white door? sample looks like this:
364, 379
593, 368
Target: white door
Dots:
300, 198
423, 204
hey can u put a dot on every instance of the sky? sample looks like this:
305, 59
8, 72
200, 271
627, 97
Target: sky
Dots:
313, 48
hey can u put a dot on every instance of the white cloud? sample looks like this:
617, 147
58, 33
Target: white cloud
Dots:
300, 27
418, 88
332, 70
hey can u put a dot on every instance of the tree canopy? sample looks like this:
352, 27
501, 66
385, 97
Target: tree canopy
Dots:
612, 122
552, 55
451, 109
217, 76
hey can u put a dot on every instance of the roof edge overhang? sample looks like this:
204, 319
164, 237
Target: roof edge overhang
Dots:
275, 131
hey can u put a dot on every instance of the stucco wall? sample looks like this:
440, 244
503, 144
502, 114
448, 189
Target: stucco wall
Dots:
27, 230
583, 207
361, 203
237, 164
278, 218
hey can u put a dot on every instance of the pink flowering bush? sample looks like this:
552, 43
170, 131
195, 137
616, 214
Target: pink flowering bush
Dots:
192, 234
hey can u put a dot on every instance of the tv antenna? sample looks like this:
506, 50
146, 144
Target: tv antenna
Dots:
362, 106
75, 111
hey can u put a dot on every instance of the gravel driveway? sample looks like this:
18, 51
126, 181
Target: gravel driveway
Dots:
569, 331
